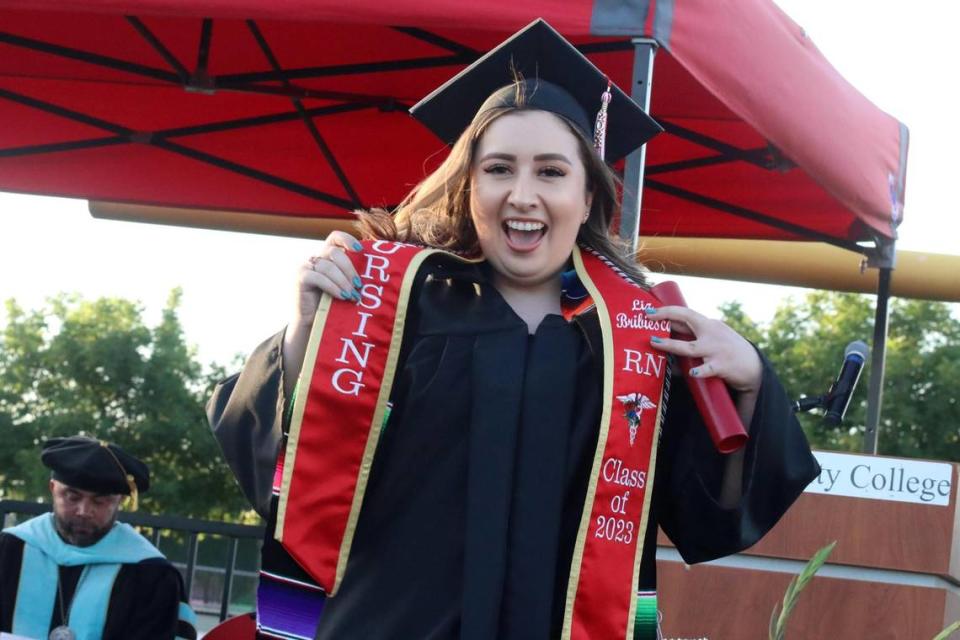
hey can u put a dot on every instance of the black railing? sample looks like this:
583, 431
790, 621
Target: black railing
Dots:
158, 524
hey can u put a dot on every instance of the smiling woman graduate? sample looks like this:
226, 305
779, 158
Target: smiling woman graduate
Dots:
474, 449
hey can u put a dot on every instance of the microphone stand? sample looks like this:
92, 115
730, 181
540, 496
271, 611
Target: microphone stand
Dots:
809, 403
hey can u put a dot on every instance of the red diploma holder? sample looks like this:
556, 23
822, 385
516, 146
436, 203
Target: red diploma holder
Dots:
242, 627
711, 395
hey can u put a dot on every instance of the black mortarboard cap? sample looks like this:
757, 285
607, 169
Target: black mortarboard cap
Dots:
93, 465
555, 77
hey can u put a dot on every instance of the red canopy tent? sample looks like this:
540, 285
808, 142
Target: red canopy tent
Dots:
201, 104
297, 108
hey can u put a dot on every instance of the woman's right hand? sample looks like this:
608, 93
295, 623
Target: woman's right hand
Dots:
329, 271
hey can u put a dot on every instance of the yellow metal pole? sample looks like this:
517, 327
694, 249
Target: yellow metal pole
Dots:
262, 223
927, 276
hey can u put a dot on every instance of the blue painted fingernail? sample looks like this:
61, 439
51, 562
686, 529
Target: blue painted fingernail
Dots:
694, 372
357, 246
355, 296
346, 295
656, 340
356, 282
650, 311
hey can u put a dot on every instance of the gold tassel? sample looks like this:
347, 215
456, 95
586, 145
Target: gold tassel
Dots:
134, 498
134, 501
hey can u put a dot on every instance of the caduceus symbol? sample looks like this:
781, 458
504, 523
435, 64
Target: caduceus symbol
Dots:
633, 406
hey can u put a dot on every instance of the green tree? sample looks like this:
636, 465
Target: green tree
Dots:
94, 368
805, 341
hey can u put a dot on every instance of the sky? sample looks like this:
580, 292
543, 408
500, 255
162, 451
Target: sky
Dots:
239, 288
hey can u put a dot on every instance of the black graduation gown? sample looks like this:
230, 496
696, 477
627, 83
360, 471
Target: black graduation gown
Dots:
144, 602
475, 496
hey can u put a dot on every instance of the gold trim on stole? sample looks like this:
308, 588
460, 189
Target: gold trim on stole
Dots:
645, 514
299, 403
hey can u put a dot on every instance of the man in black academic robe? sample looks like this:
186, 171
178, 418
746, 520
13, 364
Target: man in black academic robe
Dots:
78, 569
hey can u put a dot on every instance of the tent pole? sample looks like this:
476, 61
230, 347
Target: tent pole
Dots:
644, 50
883, 259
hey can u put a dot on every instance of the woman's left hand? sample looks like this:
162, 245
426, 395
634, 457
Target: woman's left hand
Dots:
725, 353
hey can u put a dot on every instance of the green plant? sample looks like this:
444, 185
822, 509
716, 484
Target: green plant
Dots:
943, 635
780, 615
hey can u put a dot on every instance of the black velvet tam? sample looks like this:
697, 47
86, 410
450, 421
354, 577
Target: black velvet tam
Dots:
93, 465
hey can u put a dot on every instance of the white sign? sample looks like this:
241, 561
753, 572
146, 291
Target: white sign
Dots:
897, 479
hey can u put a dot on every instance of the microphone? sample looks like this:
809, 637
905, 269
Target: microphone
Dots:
838, 398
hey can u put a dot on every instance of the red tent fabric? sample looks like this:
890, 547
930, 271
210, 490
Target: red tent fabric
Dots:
298, 107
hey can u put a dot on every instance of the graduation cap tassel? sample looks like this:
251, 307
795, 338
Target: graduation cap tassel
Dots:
128, 477
134, 494
600, 127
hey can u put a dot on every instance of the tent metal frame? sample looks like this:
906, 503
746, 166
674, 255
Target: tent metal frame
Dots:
284, 83
880, 256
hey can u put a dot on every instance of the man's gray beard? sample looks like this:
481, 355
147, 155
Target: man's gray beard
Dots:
70, 536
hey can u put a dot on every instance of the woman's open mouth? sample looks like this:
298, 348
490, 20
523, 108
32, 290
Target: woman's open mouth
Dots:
524, 235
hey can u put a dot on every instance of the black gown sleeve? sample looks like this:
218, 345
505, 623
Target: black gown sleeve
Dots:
145, 603
11, 557
778, 465
246, 413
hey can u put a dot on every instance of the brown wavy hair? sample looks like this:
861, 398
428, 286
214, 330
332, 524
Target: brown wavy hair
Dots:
436, 213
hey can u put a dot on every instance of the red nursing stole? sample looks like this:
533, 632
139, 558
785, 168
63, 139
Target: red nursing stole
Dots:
601, 594
341, 404
343, 401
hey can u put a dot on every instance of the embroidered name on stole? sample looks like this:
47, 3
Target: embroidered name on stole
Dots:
338, 415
